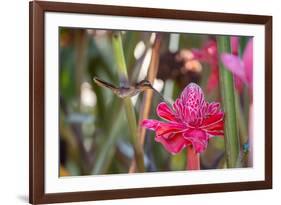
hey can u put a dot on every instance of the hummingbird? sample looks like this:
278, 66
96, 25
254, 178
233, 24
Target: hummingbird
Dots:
127, 91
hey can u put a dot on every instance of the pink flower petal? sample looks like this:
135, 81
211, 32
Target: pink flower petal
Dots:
248, 62
214, 124
215, 129
165, 112
174, 144
192, 95
213, 108
182, 111
192, 98
198, 138
209, 121
234, 64
164, 129
150, 124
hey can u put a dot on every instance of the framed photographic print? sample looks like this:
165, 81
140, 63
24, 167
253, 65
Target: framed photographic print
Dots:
138, 102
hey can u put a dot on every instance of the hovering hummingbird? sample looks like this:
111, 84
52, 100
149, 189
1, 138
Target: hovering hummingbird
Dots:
127, 91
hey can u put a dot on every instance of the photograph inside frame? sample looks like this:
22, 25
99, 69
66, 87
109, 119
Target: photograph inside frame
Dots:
136, 101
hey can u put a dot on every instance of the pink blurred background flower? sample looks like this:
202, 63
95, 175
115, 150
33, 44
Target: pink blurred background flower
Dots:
234, 44
190, 121
209, 54
242, 68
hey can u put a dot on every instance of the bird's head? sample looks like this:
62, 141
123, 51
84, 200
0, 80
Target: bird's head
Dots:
143, 85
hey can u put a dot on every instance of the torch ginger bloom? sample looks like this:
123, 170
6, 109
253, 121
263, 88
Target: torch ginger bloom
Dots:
190, 122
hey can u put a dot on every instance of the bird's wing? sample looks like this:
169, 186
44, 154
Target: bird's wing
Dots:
102, 83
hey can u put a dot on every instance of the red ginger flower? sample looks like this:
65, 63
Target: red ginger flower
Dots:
191, 121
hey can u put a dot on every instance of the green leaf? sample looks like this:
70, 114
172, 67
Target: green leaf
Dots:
129, 109
228, 101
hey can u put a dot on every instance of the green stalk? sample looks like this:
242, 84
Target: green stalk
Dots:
241, 121
107, 151
231, 136
129, 109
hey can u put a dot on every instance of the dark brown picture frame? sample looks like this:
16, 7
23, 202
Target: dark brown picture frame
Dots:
37, 10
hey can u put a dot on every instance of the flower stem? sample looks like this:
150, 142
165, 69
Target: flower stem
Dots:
241, 121
250, 159
129, 109
193, 159
231, 137
148, 94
